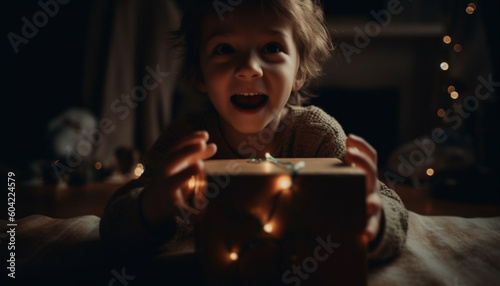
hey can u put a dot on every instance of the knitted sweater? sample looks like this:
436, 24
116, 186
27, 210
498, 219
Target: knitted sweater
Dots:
306, 132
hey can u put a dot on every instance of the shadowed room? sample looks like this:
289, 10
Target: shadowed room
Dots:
92, 85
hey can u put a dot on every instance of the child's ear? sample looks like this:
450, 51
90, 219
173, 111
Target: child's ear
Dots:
300, 79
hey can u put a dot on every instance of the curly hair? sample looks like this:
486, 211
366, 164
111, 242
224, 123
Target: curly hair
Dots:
309, 27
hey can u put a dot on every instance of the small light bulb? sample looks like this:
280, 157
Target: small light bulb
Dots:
192, 182
268, 228
454, 94
233, 256
441, 112
430, 172
451, 88
139, 169
284, 182
444, 66
447, 39
457, 48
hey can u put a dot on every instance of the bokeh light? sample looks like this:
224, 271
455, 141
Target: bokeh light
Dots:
440, 112
430, 172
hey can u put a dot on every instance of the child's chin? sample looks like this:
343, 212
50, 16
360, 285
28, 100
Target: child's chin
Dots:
248, 128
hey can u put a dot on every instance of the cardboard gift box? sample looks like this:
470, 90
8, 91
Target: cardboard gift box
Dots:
281, 222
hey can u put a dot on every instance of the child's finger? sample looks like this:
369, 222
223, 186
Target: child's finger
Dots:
373, 204
372, 227
177, 181
361, 160
161, 198
362, 145
184, 157
210, 150
180, 180
194, 138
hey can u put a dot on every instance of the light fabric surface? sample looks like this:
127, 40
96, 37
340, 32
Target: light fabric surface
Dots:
440, 250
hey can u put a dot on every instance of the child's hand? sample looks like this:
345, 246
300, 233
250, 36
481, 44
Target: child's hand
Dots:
161, 197
363, 155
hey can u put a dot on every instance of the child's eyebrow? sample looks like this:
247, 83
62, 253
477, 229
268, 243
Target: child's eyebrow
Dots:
225, 33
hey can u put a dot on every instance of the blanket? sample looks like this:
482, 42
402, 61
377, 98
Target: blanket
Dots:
440, 250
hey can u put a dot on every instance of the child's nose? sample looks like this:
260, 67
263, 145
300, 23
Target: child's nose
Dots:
249, 67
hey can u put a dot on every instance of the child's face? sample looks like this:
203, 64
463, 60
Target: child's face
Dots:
249, 64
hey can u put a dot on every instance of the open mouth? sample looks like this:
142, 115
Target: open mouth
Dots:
249, 101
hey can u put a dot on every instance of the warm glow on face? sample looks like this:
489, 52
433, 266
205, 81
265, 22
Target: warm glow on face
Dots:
430, 172
268, 228
233, 256
284, 182
139, 169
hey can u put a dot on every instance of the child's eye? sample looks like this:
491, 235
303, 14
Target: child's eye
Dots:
272, 48
223, 49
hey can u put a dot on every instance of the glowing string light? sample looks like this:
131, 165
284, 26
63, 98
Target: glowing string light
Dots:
192, 182
470, 8
430, 172
441, 112
289, 165
284, 182
268, 228
233, 256
139, 169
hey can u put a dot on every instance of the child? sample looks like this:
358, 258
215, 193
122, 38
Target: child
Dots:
253, 62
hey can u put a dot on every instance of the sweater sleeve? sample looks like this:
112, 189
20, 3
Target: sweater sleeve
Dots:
124, 232
394, 223
394, 227
122, 228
